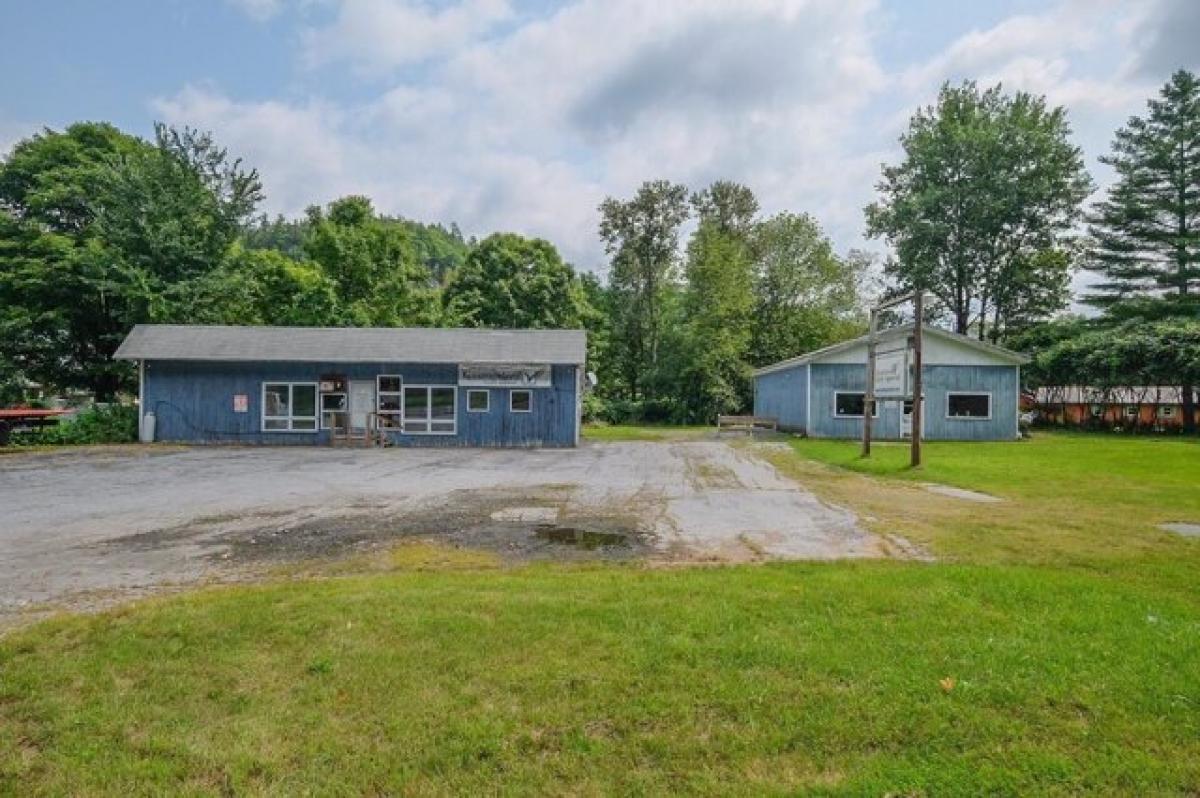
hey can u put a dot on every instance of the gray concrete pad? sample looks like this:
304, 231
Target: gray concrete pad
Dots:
960, 493
130, 519
1182, 528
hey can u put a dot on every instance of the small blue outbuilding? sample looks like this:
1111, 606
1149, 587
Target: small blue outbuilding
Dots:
972, 390
313, 385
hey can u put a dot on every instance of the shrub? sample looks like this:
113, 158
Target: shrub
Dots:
99, 424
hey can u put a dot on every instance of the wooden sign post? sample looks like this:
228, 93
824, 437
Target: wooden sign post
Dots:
918, 398
869, 395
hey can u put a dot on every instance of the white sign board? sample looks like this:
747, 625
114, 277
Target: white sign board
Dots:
891, 374
504, 375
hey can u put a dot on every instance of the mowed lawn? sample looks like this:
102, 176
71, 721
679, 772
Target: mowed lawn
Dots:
1052, 647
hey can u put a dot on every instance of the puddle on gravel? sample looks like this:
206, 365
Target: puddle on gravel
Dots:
580, 538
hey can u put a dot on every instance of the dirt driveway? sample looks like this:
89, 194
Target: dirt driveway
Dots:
128, 519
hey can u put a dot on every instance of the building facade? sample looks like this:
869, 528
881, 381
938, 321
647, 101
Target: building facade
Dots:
971, 390
1138, 407
410, 387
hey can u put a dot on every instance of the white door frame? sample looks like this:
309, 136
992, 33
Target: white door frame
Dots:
906, 427
358, 414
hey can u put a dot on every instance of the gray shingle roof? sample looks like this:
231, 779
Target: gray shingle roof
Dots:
352, 344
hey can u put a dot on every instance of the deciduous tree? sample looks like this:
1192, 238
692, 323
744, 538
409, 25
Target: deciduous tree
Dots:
509, 281
805, 295
373, 264
988, 183
642, 237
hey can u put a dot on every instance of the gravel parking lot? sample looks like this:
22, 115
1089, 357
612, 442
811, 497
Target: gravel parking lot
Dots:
121, 520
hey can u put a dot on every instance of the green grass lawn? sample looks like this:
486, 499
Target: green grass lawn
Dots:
1044, 652
1100, 467
645, 432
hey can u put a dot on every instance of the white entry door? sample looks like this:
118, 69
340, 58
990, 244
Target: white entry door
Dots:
906, 419
362, 402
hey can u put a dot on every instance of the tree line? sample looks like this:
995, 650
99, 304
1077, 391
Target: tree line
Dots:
101, 230
683, 329
985, 210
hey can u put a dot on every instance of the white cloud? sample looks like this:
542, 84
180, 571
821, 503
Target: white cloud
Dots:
529, 130
524, 122
380, 35
305, 152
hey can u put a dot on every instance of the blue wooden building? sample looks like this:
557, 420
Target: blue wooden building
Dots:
971, 388
411, 387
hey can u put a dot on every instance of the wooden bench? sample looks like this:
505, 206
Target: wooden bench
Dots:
746, 424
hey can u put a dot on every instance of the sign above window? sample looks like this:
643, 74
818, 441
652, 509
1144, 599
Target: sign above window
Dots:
504, 375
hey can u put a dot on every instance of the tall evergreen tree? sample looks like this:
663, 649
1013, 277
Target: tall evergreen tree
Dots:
1147, 230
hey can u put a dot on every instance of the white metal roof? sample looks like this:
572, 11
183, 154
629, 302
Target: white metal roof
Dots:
352, 344
831, 353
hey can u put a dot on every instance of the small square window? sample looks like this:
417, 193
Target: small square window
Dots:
478, 401
520, 401
1131, 411
1166, 411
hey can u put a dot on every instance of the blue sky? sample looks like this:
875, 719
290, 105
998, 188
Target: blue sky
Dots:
503, 114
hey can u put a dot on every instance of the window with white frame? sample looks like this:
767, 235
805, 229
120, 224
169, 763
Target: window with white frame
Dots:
520, 401
974, 406
389, 399
333, 407
850, 404
1131, 411
1166, 411
289, 407
479, 400
430, 409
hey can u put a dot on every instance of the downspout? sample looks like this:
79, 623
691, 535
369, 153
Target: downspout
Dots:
1017, 420
808, 401
578, 402
141, 397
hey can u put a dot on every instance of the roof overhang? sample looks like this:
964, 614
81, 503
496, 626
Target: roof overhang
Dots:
998, 352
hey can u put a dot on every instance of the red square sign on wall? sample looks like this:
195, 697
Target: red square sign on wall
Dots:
241, 403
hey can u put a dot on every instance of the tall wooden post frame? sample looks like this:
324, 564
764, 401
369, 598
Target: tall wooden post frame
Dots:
895, 375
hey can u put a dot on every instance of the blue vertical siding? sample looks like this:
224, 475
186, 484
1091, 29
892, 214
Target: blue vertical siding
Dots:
193, 402
999, 381
783, 396
830, 378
